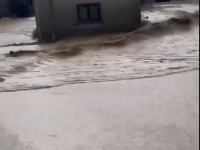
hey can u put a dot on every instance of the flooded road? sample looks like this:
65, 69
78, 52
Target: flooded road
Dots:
15, 31
148, 114
167, 43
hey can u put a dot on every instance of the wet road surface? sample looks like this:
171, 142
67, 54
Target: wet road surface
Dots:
148, 114
16, 31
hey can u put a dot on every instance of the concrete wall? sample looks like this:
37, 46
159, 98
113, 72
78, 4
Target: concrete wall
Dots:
120, 15
43, 20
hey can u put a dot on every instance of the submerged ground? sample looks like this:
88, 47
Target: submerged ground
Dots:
152, 114
163, 45
148, 114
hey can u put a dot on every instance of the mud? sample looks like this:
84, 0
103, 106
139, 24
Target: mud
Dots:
20, 53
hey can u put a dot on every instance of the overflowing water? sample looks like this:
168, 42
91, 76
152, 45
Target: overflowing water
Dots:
157, 48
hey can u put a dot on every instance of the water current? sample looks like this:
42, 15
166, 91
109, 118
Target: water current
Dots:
155, 49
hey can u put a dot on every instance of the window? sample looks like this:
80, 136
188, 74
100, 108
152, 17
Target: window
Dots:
89, 12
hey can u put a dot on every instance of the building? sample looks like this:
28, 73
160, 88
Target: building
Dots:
60, 18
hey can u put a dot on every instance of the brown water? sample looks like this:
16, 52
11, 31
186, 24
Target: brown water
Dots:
156, 49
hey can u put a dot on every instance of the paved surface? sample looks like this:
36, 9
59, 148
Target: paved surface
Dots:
149, 114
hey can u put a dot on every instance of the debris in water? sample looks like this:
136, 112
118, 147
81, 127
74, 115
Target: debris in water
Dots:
17, 69
21, 53
180, 21
71, 51
68, 51
2, 79
115, 42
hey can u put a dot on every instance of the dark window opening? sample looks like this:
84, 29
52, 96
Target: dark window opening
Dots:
89, 12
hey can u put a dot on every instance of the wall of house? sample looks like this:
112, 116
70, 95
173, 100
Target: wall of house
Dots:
120, 15
43, 20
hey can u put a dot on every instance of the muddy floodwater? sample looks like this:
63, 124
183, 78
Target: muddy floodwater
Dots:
167, 42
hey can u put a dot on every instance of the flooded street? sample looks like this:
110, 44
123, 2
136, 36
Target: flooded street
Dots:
167, 43
158, 112
16, 31
148, 114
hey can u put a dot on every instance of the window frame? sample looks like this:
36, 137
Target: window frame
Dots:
89, 19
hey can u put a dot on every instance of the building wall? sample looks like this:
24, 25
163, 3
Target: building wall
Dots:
43, 20
120, 15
